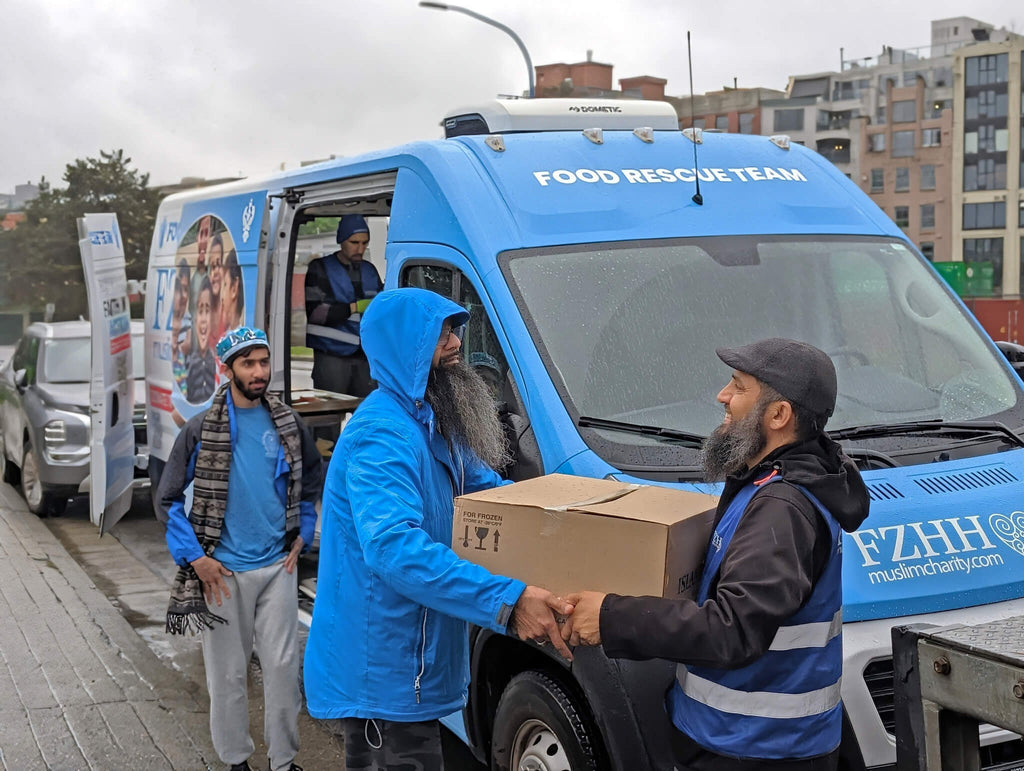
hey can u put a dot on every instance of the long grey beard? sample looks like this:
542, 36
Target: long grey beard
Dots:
466, 413
730, 446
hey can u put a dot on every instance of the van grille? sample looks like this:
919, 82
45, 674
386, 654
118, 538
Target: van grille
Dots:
878, 676
991, 476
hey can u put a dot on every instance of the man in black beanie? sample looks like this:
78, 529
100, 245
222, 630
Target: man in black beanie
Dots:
339, 287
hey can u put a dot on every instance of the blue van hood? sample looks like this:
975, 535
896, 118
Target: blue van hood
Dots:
944, 536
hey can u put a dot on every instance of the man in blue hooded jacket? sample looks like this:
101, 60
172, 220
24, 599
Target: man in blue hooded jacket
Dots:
388, 649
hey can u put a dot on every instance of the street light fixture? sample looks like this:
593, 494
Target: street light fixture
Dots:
493, 23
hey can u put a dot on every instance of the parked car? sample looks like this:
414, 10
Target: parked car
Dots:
44, 412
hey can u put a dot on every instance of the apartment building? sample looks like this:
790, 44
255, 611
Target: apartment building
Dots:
988, 175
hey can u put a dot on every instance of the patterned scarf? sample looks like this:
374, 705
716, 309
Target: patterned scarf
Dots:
187, 610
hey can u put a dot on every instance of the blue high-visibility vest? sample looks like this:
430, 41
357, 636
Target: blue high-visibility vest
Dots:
344, 339
786, 704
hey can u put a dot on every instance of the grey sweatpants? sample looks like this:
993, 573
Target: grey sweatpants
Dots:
263, 609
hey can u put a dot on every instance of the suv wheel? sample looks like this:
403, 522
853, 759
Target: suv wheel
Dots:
41, 499
538, 726
8, 471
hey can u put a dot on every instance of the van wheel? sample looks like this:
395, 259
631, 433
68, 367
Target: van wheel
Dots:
538, 727
8, 471
40, 498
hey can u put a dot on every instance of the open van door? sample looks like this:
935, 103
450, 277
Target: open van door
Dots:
111, 384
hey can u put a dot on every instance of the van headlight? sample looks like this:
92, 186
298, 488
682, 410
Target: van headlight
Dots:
55, 433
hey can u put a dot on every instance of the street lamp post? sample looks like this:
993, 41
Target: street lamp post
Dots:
493, 23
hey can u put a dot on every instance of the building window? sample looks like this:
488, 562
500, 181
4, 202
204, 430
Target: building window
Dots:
928, 250
699, 123
789, 120
904, 112
902, 217
902, 179
927, 216
880, 115
878, 181
902, 144
987, 250
722, 123
931, 137
927, 176
746, 123
876, 143
978, 216
985, 174
836, 150
982, 70
987, 103
934, 108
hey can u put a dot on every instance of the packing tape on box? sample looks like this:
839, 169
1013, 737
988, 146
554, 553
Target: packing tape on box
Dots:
605, 498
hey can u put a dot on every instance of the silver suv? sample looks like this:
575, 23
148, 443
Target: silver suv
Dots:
44, 412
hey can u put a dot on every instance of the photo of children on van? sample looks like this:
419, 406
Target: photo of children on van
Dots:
209, 300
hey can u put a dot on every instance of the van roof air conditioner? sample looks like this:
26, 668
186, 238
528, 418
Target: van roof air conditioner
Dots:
509, 116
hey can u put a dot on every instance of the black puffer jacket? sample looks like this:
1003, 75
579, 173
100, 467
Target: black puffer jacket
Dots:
775, 556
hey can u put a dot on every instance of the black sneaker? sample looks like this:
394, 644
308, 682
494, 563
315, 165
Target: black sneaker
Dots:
243, 766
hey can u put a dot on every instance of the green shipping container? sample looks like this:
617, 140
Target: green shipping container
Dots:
979, 277
955, 274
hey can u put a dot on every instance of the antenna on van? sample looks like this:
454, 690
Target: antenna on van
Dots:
697, 197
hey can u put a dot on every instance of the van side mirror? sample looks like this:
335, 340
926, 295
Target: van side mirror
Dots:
20, 379
1014, 354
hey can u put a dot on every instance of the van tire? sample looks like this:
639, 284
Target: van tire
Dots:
538, 719
41, 499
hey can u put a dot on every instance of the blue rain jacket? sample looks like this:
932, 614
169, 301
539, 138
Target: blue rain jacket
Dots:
389, 637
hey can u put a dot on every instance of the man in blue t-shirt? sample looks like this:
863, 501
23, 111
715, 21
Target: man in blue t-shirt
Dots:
256, 474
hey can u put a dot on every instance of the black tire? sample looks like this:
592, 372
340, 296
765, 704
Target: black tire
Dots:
538, 725
41, 499
8, 470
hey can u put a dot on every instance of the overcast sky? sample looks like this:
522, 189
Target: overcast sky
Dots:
227, 87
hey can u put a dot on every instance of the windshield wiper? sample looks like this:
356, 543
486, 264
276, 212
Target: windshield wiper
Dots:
950, 428
670, 434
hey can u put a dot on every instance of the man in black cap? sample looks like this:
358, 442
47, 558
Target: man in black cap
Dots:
759, 652
339, 287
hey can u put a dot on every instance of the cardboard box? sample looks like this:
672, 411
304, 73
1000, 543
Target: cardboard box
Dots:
569, 533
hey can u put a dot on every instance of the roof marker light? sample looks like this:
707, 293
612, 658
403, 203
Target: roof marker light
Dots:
695, 135
496, 142
780, 140
595, 135
645, 134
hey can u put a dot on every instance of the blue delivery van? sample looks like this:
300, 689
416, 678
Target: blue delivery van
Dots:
598, 290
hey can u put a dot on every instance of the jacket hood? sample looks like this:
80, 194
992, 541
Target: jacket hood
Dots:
399, 334
820, 466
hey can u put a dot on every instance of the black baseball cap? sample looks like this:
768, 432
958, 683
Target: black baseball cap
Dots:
801, 373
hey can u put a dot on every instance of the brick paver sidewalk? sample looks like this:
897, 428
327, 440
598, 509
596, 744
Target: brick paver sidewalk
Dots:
79, 689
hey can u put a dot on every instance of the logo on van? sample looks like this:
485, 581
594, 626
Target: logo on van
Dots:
248, 215
168, 231
1010, 530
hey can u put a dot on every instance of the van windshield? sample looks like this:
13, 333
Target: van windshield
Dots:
628, 331
68, 359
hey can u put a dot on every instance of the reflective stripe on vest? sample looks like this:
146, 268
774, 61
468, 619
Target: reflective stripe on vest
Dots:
813, 635
332, 333
759, 703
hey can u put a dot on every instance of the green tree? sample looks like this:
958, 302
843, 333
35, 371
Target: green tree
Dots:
40, 261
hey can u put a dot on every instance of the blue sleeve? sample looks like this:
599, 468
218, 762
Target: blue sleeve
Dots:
480, 476
307, 524
383, 484
181, 538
